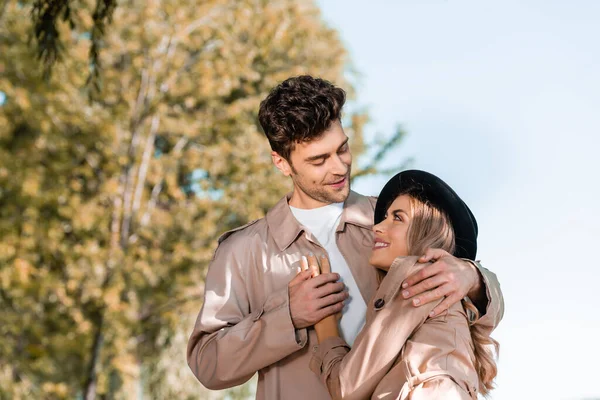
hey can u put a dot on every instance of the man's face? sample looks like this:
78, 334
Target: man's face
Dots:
320, 169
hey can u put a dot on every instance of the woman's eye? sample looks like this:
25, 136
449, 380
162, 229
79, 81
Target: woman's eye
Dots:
397, 217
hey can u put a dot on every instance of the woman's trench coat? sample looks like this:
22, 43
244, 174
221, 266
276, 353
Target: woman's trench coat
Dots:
400, 352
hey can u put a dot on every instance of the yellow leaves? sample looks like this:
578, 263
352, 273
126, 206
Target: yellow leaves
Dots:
21, 98
83, 325
89, 215
205, 66
111, 186
91, 293
62, 297
7, 250
180, 252
23, 270
72, 284
126, 364
28, 228
52, 389
5, 278
31, 185
112, 296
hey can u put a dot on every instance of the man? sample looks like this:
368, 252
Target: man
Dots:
252, 319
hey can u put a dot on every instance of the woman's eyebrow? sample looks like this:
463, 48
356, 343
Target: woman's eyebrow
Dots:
399, 210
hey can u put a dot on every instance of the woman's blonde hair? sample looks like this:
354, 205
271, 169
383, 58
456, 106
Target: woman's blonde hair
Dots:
431, 228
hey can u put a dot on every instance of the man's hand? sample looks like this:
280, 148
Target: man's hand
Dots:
448, 277
312, 299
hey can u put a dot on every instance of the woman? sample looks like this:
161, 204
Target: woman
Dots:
400, 352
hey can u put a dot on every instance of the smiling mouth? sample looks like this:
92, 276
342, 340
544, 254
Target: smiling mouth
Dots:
339, 183
380, 245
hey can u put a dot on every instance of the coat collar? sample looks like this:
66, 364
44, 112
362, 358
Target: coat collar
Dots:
358, 211
285, 228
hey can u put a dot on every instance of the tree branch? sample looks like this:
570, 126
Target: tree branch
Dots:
143, 170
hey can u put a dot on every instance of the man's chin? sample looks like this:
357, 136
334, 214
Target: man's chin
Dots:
340, 193
339, 196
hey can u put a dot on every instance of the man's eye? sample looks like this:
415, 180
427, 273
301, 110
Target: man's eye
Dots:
318, 163
343, 149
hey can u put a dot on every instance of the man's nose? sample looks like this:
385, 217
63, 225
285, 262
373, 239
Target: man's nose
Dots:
340, 167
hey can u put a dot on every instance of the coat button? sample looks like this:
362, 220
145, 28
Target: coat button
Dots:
379, 303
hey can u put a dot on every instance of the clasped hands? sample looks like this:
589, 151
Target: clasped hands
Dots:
315, 292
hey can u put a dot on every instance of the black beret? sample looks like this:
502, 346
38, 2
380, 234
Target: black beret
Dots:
430, 189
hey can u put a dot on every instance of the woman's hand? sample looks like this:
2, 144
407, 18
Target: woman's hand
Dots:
328, 326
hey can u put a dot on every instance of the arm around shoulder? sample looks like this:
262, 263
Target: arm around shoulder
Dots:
492, 305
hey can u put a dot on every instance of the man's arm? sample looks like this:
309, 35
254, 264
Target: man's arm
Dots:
488, 300
231, 341
454, 279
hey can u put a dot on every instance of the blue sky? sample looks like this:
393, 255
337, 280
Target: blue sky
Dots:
503, 102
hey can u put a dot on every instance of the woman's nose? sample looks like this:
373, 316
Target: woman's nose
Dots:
378, 228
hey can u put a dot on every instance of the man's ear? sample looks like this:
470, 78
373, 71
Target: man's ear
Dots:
281, 163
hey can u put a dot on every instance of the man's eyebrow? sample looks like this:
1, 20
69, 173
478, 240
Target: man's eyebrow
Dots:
325, 155
314, 158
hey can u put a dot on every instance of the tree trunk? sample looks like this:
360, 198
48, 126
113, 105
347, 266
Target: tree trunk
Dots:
89, 389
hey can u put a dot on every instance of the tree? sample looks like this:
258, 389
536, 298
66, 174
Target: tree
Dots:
112, 197
47, 16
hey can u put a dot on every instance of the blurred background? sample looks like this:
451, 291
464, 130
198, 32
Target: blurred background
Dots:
129, 141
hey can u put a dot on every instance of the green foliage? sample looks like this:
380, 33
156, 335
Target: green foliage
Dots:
112, 196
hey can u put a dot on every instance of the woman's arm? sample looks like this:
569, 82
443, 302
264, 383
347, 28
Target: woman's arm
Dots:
327, 327
391, 320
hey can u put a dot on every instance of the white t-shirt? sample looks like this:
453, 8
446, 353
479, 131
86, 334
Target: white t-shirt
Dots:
322, 223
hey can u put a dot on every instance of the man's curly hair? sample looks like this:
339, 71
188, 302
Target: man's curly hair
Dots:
299, 110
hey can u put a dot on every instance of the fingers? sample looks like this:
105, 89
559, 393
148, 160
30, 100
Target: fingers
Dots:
303, 264
423, 286
318, 266
323, 279
329, 288
422, 274
325, 266
433, 254
300, 277
330, 310
443, 306
432, 295
334, 298
313, 264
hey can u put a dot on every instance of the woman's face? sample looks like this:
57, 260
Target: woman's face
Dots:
390, 234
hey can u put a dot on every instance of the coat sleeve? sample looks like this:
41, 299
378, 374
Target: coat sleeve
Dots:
494, 310
231, 341
355, 373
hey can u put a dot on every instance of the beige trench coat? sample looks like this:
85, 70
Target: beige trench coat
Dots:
245, 326
401, 353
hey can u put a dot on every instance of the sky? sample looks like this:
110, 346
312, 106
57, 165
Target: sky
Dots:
502, 101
